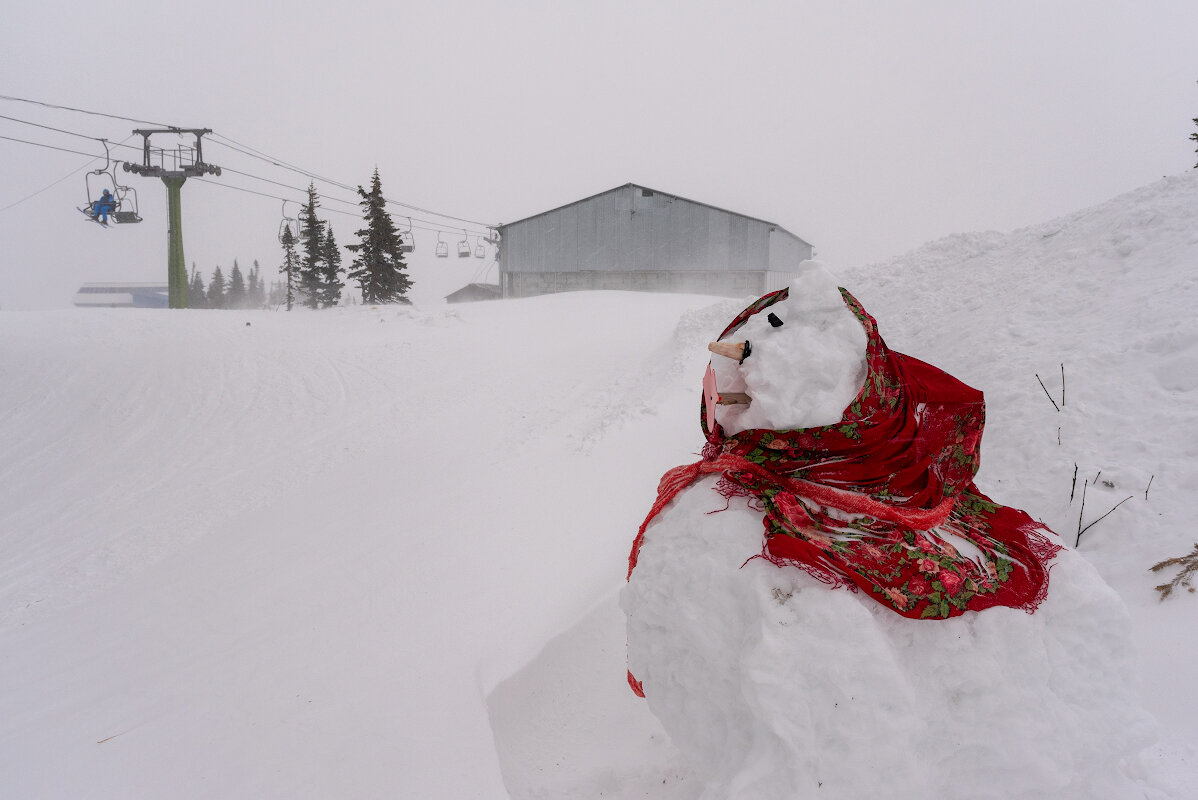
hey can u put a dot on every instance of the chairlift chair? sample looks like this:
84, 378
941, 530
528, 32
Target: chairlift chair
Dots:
288, 223
442, 247
464, 248
124, 198
126, 205
481, 250
407, 242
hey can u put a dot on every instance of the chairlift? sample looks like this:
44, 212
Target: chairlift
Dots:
481, 250
124, 198
442, 247
288, 223
464, 248
407, 241
126, 205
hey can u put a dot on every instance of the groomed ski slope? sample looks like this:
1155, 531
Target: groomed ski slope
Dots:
374, 552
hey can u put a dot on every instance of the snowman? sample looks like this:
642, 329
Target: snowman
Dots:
825, 605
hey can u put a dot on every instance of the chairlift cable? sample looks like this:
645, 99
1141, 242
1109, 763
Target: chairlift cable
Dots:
50, 147
255, 154
70, 174
285, 165
227, 185
249, 151
326, 197
94, 157
84, 111
49, 128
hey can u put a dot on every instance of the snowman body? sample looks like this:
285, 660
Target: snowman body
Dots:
775, 685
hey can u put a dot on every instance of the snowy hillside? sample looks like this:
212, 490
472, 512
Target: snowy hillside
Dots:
376, 552
1108, 292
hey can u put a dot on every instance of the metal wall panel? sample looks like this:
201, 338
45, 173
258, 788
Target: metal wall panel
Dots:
631, 229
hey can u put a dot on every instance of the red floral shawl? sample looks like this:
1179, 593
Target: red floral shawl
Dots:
865, 502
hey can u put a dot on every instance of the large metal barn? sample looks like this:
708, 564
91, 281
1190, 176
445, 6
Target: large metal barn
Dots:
641, 239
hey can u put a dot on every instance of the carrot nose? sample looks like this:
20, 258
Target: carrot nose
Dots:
738, 351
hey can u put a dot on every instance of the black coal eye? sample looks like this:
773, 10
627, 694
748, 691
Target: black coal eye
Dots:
773, 320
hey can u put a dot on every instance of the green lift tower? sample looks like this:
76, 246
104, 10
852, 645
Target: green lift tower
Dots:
174, 166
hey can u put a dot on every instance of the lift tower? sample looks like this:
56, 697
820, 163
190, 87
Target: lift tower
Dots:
174, 166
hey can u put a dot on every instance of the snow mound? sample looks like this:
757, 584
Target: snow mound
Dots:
774, 686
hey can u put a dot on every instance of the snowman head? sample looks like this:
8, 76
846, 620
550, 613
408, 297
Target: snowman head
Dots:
797, 366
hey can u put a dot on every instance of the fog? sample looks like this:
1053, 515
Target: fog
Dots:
866, 128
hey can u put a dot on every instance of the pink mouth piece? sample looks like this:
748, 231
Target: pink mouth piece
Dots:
710, 396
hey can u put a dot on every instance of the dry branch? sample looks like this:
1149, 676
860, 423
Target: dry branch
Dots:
1095, 522
1046, 394
1080, 513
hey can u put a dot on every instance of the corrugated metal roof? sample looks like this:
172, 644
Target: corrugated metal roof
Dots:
775, 225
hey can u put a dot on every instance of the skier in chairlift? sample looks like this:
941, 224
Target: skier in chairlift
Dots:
102, 207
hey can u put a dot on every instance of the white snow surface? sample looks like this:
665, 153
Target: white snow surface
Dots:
803, 373
377, 552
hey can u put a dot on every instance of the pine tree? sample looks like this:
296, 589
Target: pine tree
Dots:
289, 268
251, 287
311, 282
331, 271
257, 288
195, 290
237, 292
216, 290
379, 267
1194, 137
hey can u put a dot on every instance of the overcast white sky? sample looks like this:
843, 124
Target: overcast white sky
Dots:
867, 128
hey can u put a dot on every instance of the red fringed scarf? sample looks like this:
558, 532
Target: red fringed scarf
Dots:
867, 502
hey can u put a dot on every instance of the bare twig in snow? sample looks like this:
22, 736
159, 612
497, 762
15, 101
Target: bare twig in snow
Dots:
1100, 519
1062, 384
1149, 486
1185, 577
1080, 513
1046, 394
1073, 488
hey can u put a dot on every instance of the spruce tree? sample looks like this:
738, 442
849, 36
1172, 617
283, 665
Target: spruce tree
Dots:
289, 268
257, 288
1194, 137
195, 290
251, 287
216, 290
379, 267
237, 292
331, 271
311, 270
